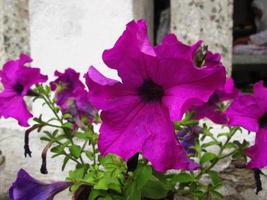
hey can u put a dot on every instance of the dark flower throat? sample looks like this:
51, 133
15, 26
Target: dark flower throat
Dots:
263, 121
150, 91
18, 88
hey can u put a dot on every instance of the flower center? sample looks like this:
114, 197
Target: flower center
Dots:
150, 91
263, 121
214, 99
18, 88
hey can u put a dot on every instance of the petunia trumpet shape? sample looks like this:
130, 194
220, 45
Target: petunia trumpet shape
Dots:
71, 95
158, 85
250, 112
17, 79
27, 188
211, 109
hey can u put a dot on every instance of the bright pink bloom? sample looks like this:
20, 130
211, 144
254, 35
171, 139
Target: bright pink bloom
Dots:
17, 79
250, 112
211, 109
158, 86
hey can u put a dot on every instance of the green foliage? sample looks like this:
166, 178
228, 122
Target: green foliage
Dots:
207, 156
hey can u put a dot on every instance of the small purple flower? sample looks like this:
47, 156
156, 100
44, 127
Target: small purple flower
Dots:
250, 112
27, 188
158, 85
17, 80
72, 97
211, 109
67, 86
188, 137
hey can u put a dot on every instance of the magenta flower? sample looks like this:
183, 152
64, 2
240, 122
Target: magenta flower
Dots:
72, 97
67, 86
250, 112
27, 188
158, 86
17, 79
211, 109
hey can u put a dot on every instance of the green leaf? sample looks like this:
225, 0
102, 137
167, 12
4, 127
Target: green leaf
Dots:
90, 155
60, 137
183, 177
95, 194
215, 178
67, 116
67, 125
75, 150
57, 149
142, 175
44, 139
211, 143
65, 161
108, 183
199, 194
230, 146
223, 134
217, 195
185, 123
154, 189
132, 193
76, 174
208, 156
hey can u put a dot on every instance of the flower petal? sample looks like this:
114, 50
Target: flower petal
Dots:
211, 112
106, 93
258, 152
27, 188
14, 107
14, 71
173, 48
191, 87
244, 111
260, 93
143, 128
29, 76
127, 54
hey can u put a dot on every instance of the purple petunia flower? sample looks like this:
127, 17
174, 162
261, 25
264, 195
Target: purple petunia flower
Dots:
211, 109
17, 80
72, 97
158, 86
27, 188
250, 112
188, 137
67, 86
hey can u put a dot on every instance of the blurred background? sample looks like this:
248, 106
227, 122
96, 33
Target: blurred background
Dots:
60, 34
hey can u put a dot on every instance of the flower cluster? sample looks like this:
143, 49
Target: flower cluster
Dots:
149, 119
72, 98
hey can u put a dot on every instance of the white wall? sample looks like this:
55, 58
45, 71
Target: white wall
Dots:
74, 33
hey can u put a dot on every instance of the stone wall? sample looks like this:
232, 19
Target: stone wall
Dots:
209, 20
14, 29
14, 39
